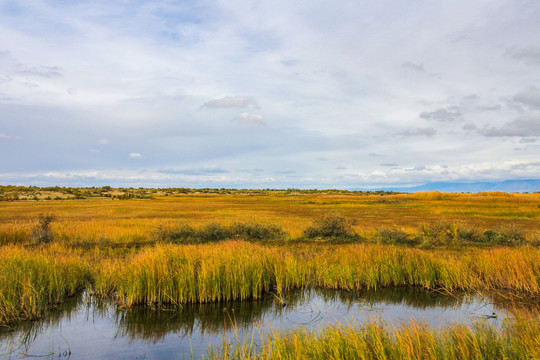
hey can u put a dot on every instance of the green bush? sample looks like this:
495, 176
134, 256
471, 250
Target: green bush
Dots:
447, 234
213, 232
184, 233
393, 235
181, 233
256, 231
508, 235
330, 226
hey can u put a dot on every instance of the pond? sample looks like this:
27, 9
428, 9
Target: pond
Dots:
84, 328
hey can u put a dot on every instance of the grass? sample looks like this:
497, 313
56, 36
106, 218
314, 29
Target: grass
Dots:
135, 220
380, 340
33, 278
30, 281
235, 270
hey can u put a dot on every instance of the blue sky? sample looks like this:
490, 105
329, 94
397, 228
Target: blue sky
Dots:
278, 94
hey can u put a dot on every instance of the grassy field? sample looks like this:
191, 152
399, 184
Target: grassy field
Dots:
174, 248
101, 220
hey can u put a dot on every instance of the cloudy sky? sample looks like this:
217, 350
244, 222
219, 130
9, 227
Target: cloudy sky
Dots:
277, 93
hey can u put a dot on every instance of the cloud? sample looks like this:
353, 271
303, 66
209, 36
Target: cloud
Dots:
524, 126
429, 131
42, 71
4, 136
135, 155
417, 168
490, 107
469, 127
443, 114
529, 55
194, 171
529, 97
231, 102
249, 118
412, 66
103, 141
390, 164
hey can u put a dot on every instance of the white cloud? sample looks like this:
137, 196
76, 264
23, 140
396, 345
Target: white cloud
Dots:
249, 118
230, 102
103, 141
135, 155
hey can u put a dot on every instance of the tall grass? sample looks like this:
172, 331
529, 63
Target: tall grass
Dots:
237, 270
33, 278
516, 339
30, 280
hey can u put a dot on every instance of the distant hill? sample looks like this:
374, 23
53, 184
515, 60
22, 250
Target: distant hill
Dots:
531, 185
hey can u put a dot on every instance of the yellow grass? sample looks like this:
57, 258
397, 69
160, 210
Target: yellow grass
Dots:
102, 219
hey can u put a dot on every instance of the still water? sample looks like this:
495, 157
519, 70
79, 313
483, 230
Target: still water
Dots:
84, 328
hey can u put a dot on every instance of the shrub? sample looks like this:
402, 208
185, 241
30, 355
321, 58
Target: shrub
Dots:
431, 235
392, 235
330, 225
184, 233
447, 234
508, 235
180, 233
41, 233
213, 232
256, 231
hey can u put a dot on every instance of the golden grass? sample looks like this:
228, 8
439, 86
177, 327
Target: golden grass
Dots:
516, 339
31, 280
123, 221
237, 270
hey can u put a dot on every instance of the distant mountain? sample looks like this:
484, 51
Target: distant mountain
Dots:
531, 185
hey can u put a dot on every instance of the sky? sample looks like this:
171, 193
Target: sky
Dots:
268, 94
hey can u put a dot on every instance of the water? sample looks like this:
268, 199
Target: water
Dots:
83, 328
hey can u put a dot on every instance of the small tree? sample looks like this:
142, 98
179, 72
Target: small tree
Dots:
42, 231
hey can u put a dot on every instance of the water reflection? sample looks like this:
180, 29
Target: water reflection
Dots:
86, 327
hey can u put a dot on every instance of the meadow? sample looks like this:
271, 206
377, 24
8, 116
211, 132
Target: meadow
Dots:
179, 246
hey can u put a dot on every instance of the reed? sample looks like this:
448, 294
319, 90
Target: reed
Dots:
380, 340
31, 280
238, 270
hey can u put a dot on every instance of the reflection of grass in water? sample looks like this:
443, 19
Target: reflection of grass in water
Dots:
25, 333
153, 324
412, 296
